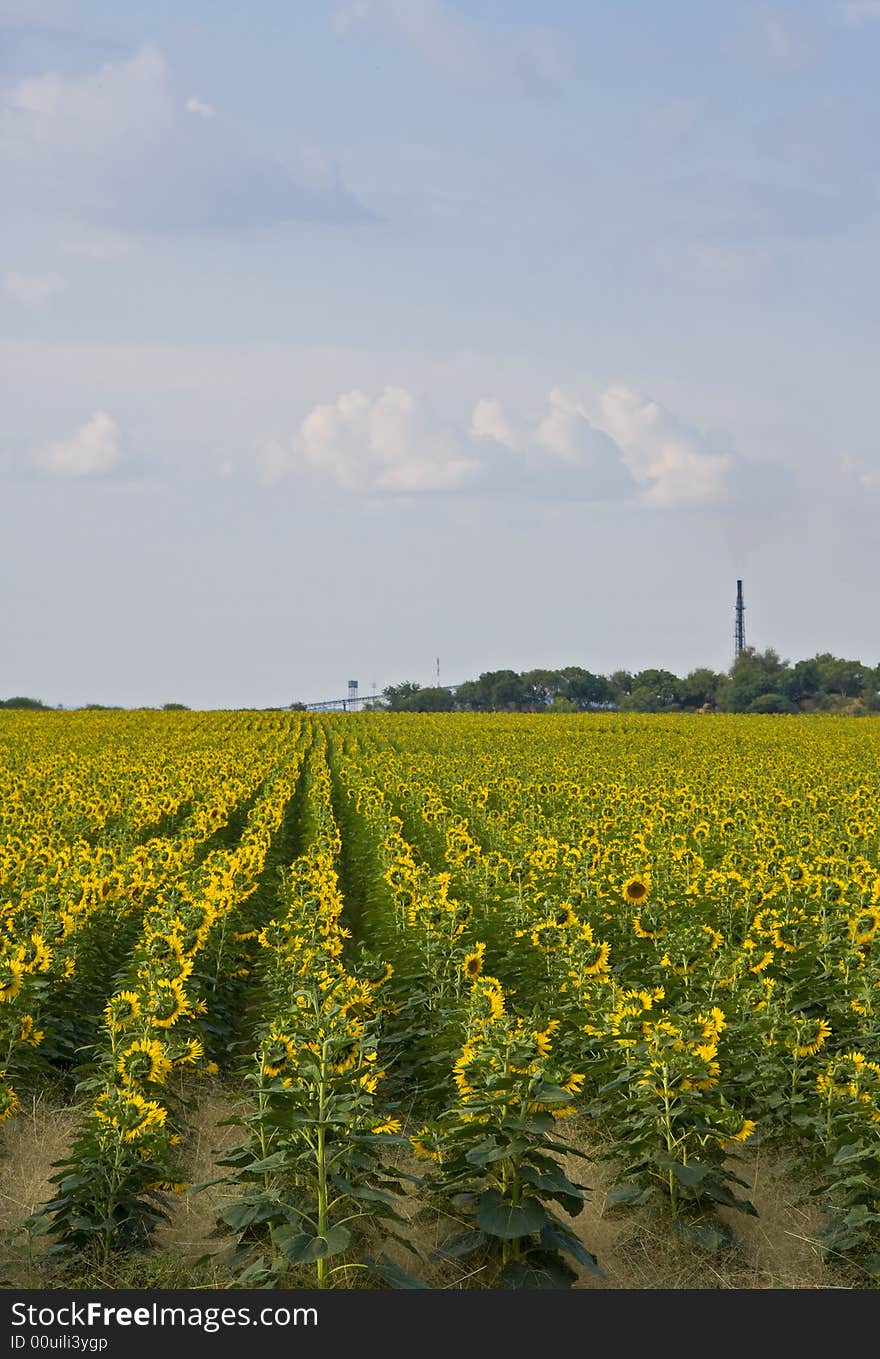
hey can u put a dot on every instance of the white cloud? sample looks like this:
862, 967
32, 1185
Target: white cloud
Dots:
94, 449
394, 443
125, 103
559, 431
488, 421
389, 443
668, 459
121, 150
568, 439
199, 107
34, 291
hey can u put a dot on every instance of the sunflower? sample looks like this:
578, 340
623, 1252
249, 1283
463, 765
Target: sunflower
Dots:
188, 1055
594, 954
747, 1127
146, 1116
128, 1114
715, 939
425, 1144
9, 1102
487, 990
347, 1054
820, 1031
547, 936
862, 928
168, 1001
11, 973
473, 963
467, 1058
786, 934
635, 889
278, 1051
391, 1125
36, 955
144, 1060
122, 1009
28, 1033
564, 916
542, 1038
379, 973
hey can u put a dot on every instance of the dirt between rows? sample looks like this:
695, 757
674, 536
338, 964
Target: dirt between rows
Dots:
634, 1246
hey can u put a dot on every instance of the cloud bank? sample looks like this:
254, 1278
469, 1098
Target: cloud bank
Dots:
624, 447
120, 149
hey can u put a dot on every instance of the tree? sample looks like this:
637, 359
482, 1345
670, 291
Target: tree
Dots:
653, 691
584, 689
542, 686
754, 674
469, 697
399, 695
805, 682
621, 683
700, 687
507, 692
837, 676
771, 703
561, 704
410, 697
31, 704
431, 700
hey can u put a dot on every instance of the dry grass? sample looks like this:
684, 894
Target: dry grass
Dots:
635, 1247
39, 1135
190, 1231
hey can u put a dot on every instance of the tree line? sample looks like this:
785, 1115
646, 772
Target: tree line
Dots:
37, 705
757, 682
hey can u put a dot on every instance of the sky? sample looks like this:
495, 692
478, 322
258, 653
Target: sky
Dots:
343, 337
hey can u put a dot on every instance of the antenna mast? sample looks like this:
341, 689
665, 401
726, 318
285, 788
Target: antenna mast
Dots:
739, 636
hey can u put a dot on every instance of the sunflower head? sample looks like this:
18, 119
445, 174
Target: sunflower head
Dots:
473, 963
11, 973
9, 1101
122, 1009
144, 1061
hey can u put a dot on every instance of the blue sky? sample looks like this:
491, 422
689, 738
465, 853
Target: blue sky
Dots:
338, 336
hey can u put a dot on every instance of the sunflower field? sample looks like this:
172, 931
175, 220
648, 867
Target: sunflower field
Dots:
439, 967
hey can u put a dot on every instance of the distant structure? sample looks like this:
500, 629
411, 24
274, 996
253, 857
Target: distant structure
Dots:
739, 636
355, 702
